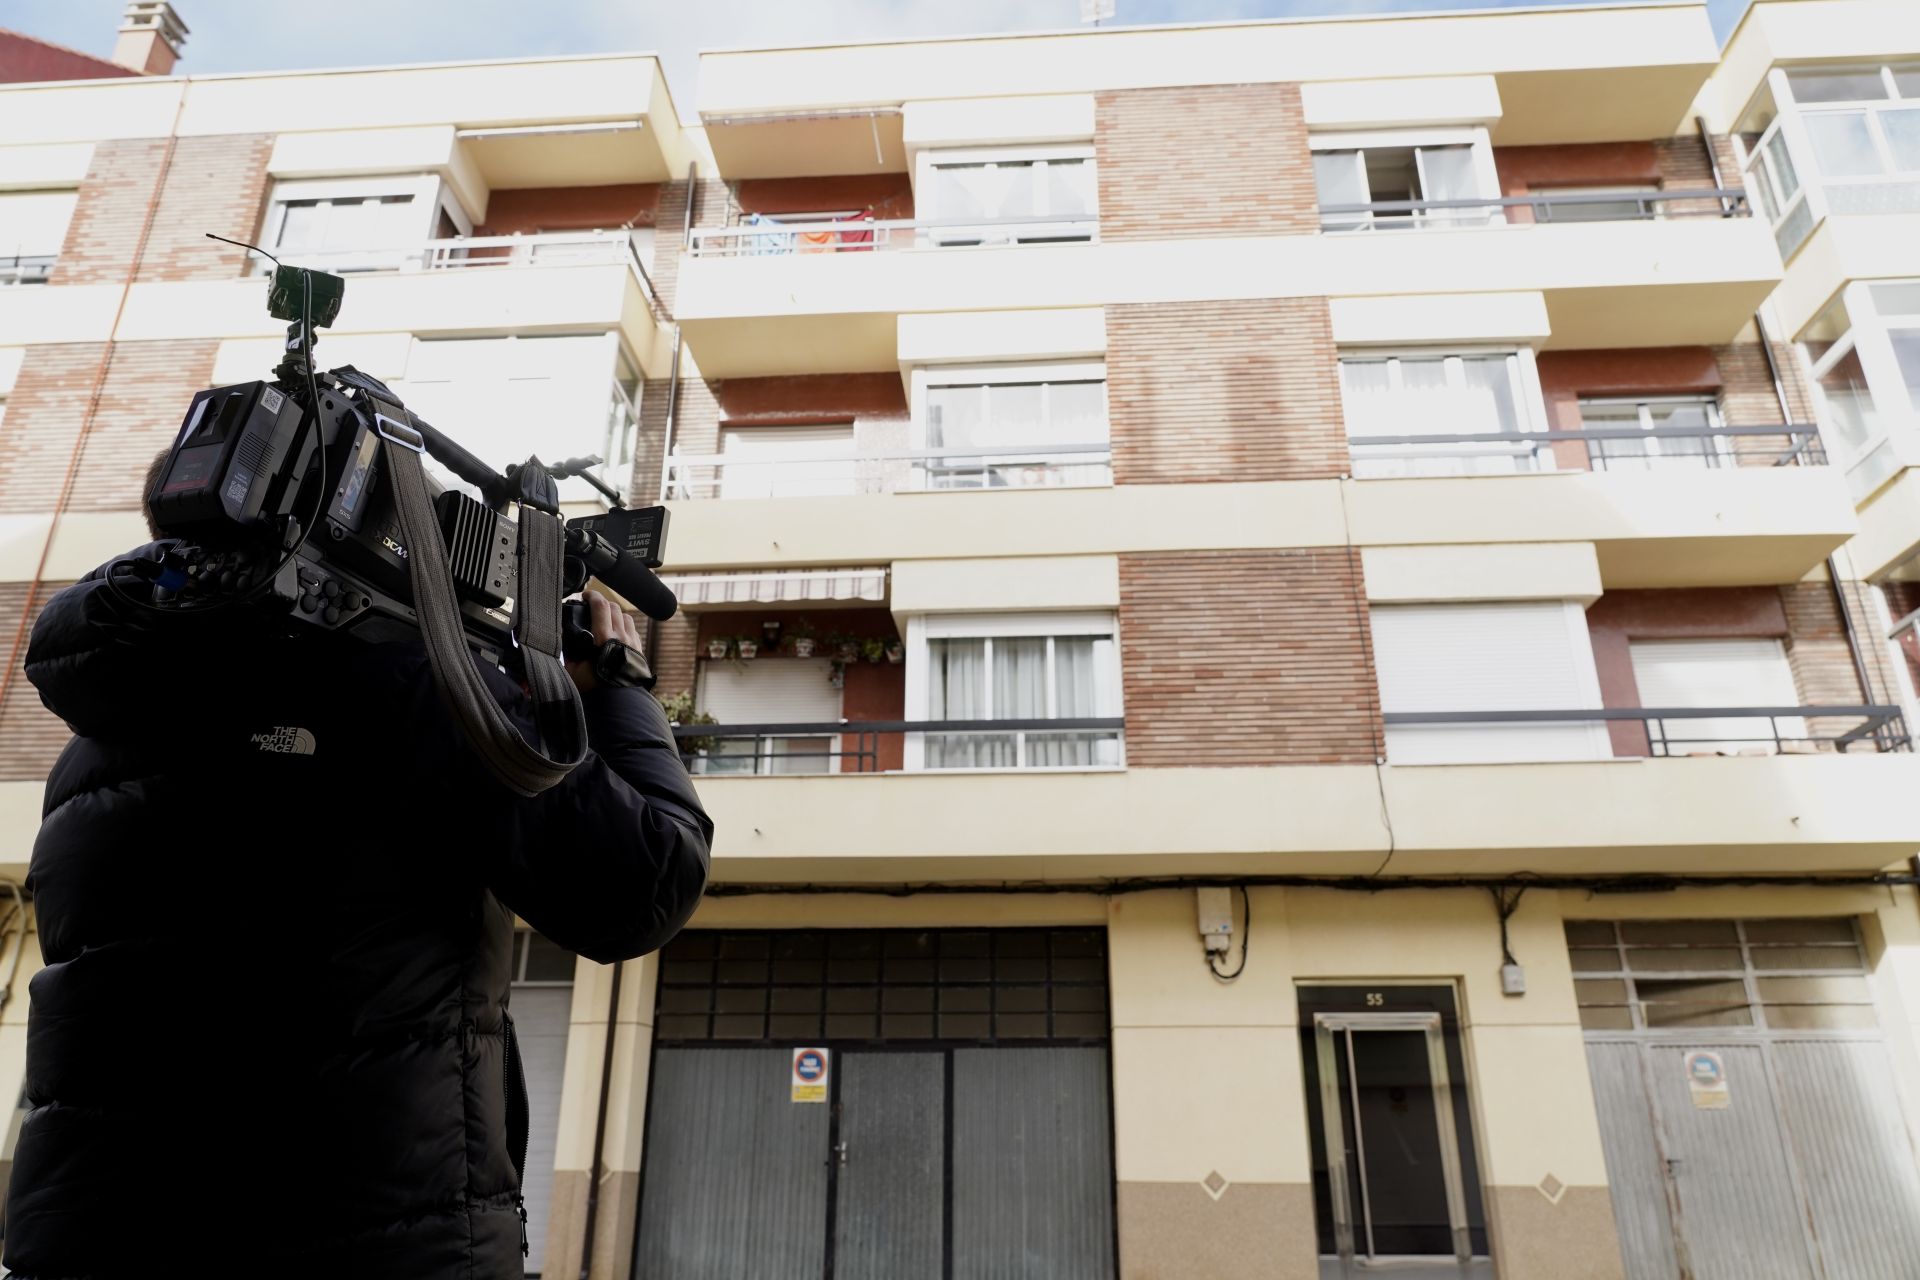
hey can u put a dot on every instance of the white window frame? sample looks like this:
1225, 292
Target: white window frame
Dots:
1524, 380
431, 197
1486, 175
925, 377
1895, 441
574, 489
12, 260
1715, 448
1006, 232
924, 628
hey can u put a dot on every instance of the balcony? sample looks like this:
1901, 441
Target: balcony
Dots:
1662, 731
19, 270
1774, 814
1621, 206
842, 746
1617, 449
1691, 278
777, 474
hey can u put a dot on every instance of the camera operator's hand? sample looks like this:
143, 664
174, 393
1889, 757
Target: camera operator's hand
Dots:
607, 622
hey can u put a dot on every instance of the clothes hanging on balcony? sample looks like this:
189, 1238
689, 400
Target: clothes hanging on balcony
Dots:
766, 242
858, 241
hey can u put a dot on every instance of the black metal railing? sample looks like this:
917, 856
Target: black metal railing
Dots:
1884, 727
25, 270
1798, 444
1581, 206
854, 741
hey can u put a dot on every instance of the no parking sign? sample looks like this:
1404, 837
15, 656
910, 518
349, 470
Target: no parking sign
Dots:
810, 1075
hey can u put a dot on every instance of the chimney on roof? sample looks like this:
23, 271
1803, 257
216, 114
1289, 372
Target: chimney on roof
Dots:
151, 35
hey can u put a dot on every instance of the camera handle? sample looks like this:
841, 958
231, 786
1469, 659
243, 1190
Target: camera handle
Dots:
523, 767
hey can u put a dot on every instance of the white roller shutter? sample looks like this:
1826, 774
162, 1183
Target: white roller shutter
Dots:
33, 224
1717, 673
818, 462
540, 1030
1487, 657
769, 691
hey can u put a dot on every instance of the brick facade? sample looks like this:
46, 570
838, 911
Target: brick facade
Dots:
1213, 160
1247, 658
216, 183
1213, 391
711, 202
142, 401
31, 737
1823, 668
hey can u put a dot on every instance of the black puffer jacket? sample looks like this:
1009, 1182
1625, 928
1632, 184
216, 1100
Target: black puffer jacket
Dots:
275, 893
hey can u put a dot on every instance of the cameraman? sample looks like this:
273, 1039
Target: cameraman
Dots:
275, 894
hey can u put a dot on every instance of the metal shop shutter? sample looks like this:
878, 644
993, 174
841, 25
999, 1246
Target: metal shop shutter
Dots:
540, 1030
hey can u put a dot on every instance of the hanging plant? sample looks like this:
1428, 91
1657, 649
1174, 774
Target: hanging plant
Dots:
837, 674
896, 652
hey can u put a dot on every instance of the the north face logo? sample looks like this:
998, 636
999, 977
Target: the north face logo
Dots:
286, 740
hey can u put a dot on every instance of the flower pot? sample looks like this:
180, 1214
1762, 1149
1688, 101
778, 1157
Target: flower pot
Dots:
802, 647
896, 653
849, 653
749, 648
716, 649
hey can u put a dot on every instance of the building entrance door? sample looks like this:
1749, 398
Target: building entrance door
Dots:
1392, 1146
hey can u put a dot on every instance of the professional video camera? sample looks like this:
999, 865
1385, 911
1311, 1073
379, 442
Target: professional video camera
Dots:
306, 496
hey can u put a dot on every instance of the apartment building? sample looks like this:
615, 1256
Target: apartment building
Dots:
1435, 492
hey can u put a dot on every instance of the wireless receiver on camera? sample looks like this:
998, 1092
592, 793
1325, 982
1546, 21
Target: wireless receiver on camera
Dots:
305, 496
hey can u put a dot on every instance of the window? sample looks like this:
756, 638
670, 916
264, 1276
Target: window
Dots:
1655, 453
787, 462
1487, 657
623, 426
1616, 202
1014, 667
1717, 673
1444, 395
1863, 352
505, 398
360, 224
1402, 168
33, 226
1028, 196
1672, 975
1013, 426
769, 691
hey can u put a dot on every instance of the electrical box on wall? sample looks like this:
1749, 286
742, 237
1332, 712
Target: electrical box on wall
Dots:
1513, 980
1215, 906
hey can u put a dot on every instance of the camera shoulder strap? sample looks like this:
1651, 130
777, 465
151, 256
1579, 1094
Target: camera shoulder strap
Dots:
562, 723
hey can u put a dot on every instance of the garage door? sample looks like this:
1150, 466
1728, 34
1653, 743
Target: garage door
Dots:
542, 997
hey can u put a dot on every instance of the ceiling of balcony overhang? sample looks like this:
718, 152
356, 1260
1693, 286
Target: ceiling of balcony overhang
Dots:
813, 145
1607, 104
593, 154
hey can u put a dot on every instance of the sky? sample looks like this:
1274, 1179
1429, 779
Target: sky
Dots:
273, 35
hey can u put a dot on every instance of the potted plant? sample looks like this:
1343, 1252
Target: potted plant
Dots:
873, 648
846, 648
717, 647
747, 647
896, 652
800, 636
679, 709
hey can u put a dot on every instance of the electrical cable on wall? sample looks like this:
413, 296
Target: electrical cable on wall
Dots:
1246, 941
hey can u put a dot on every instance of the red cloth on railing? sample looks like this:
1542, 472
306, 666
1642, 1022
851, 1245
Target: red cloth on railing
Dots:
858, 241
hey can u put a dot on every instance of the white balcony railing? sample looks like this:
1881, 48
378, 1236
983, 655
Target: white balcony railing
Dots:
25, 269
816, 475
866, 235
468, 253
